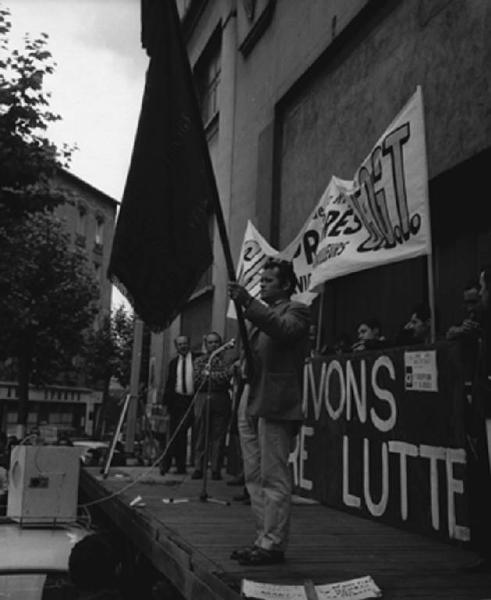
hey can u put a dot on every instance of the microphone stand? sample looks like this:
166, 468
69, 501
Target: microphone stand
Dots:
204, 496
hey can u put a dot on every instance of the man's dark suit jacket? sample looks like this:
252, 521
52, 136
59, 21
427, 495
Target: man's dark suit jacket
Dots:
278, 340
170, 396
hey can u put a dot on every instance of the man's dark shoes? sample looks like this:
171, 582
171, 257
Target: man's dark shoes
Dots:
197, 474
216, 475
244, 497
259, 557
242, 553
181, 471
481, 565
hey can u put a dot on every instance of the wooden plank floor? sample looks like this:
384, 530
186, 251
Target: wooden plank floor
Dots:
190, 542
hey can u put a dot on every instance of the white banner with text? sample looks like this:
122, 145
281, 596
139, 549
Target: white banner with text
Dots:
385, 216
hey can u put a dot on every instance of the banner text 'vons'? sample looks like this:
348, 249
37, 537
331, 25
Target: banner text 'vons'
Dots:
370, 444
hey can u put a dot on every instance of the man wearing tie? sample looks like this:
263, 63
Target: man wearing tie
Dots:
178, 394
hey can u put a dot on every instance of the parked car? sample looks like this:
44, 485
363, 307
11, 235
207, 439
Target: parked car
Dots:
92, 452
34, 561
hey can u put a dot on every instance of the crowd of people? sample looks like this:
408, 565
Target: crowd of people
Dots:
417, 329
370, 336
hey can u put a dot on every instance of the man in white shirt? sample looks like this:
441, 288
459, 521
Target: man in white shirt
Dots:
179, 390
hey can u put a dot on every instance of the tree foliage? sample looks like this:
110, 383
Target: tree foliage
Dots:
48, 293
108, 349
107, 354
28, 160
124, 330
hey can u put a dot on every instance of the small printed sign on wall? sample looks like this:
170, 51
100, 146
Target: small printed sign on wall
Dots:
420, 371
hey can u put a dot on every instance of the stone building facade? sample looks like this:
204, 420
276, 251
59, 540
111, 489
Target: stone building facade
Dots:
90, 221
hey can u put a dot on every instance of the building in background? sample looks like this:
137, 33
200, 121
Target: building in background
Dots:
90, 222
294, 92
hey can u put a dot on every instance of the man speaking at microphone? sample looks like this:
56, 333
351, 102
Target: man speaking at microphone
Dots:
270, 410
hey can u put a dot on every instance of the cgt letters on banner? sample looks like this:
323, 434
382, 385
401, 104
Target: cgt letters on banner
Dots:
382, 215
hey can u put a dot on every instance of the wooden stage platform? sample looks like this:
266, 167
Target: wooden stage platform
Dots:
190, 542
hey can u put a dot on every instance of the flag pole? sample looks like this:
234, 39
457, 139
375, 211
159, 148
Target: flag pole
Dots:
320, 319
222, 231
215, 200
429, 256
431, 295
134, 384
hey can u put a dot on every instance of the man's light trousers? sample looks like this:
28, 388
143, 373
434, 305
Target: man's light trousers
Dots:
266, 446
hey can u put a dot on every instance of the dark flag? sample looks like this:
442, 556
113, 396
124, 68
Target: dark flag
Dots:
162, 244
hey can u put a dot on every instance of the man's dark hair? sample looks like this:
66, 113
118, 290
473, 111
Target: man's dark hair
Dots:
373, 323
285, 271
342, 342
92, 563
473, 284
216, 334
422, 311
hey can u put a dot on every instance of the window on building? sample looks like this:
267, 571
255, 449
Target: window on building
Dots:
54, 417
81, 230
66, 418
99, 230
97, 271
207, 77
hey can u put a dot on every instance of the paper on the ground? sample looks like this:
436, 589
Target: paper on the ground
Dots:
362, 588
272, 591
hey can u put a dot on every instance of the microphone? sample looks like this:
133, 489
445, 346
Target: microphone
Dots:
229, 344
226, 346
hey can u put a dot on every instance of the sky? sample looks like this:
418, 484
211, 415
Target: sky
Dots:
98, 83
